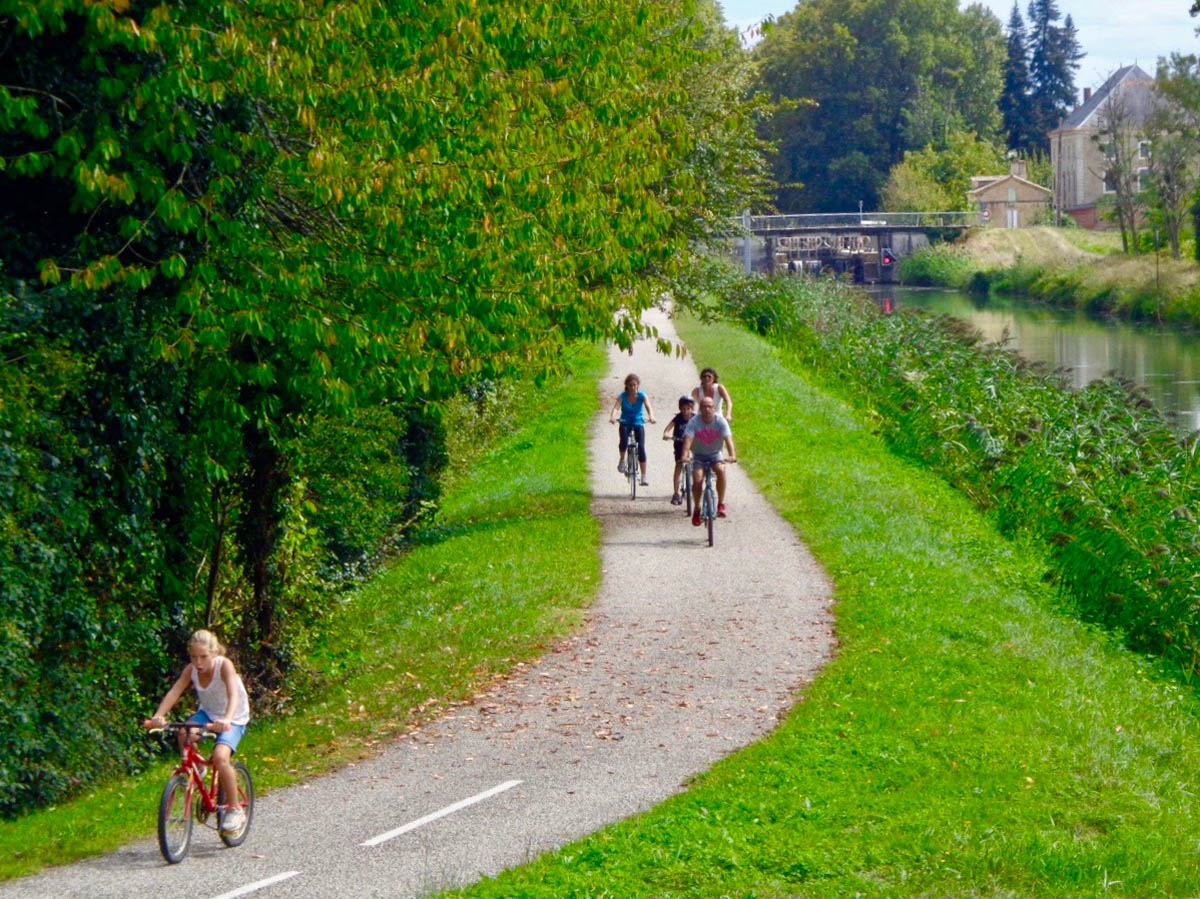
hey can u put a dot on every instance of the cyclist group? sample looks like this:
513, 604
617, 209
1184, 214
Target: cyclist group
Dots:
224, 708
699, 437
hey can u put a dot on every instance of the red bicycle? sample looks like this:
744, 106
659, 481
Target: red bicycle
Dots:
186, 799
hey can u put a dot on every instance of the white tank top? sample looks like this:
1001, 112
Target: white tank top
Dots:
716, 397
213, 697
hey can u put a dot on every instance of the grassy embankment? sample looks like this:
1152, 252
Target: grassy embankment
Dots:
1084, 269
970, 738
504, 573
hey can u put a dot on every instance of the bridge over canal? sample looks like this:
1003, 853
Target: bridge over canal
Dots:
866, 244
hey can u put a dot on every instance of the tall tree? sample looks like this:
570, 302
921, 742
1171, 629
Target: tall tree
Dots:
1119, 137
1174, 131
1015, 100
205, 248
1054, 58
884, 76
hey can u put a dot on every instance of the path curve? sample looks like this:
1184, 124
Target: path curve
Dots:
688, 653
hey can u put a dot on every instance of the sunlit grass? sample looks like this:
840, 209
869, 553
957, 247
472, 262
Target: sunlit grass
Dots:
967, 740
513, 558
1068, 267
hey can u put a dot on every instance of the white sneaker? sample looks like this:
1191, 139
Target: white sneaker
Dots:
621, 466
233, 821
644, 482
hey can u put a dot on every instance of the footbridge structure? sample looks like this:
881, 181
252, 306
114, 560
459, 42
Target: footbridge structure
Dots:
867, 245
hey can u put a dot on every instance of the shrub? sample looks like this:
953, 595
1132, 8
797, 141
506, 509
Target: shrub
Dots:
941, 265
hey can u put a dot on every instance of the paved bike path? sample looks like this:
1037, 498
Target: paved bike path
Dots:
688, 653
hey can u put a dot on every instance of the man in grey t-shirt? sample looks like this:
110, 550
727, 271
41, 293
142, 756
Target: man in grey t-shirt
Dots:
703, 440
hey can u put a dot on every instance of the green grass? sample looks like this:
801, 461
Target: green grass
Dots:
970, 738
1065, 267
513, 559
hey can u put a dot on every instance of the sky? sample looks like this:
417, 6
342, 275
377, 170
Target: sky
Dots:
1113, 33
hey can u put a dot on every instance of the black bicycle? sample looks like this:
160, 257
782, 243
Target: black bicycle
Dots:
631, 463
708, 497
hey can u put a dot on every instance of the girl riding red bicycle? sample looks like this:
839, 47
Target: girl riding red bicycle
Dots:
224, 710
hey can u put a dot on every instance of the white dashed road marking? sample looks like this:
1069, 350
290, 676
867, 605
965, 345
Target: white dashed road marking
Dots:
257, 885
440, 813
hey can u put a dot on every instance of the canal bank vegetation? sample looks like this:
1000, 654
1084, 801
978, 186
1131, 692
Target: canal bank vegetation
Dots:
1067, 267
969, 738
1096, 476
512, 559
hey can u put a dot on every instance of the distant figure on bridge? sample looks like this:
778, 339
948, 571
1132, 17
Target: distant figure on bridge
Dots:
711, 387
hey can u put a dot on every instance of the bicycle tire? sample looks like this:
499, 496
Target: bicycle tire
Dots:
631, 466
709, 504
687, 488
245, 799
175, 819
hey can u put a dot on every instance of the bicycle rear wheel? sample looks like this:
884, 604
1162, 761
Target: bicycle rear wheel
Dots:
175, 819
244, 801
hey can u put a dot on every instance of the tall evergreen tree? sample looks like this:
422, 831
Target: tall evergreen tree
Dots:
1054, 59
1015, 99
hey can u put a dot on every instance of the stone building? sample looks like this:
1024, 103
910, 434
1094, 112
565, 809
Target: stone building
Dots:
1078, 156
1008, 201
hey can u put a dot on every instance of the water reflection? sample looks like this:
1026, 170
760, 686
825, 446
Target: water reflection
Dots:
1163, 361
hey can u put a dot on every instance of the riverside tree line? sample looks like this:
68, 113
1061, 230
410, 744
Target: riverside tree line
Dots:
248, 251
896, 104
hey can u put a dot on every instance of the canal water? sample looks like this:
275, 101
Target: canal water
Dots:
1163, 361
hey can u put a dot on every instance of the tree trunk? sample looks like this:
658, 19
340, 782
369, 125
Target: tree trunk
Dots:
262, 490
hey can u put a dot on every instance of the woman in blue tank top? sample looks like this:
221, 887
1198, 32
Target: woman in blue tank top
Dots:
635, 409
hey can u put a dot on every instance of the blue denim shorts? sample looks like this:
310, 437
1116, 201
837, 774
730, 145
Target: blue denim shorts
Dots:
230, 738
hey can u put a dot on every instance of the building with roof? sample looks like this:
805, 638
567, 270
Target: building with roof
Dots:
1077, 156
1008, 201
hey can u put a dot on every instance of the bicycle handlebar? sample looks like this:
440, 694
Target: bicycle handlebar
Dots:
171, 726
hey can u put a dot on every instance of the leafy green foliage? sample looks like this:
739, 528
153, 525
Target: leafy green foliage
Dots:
237, 239
941, 177
885, 77
506, 569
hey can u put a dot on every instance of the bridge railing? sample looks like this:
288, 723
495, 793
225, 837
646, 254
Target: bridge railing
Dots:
763, 223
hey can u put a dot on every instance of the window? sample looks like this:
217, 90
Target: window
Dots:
1012, 195
1143, 178
1144, 149
1109, 151
1110, 183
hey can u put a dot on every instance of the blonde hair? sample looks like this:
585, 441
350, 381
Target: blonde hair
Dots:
208, 640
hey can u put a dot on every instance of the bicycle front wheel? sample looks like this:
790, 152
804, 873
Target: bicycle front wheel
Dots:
175, 819
687, 487
244, 801
631, 466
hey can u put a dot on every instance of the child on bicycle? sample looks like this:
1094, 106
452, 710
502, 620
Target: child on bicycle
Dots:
634, 407
224, 710
674, 431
